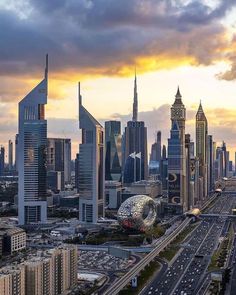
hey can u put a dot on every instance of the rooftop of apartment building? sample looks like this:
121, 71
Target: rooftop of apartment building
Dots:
10, 230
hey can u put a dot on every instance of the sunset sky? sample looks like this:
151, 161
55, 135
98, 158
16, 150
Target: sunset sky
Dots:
190, 43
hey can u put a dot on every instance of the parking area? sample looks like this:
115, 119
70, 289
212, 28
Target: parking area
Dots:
101, 260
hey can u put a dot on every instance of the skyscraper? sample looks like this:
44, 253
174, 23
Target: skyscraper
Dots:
225, 160
174, 164
201, 145
135, 144
113, 158
10, 155
164, 169
194, 181
58, 162
155, 156
178, 114
91, 167
214, 161
210, 163
189, 186
156, 148
16, 151
67, 160
2, 160
164, 155
32, 205
219, 164
234, 163
230, 168
77, 172
192, 146
159, 145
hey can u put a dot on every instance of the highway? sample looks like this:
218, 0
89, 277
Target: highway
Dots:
189, 262
191, 280
124, 280
187, 272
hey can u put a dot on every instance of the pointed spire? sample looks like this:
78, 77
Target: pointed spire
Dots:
135, 83
200, 116
178, 93
178, 98
200, 109
135, 102
46, 67
79, 95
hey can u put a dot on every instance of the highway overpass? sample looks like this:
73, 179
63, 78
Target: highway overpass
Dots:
118, 285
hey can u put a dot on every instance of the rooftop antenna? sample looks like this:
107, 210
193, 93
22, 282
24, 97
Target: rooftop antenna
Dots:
79, 95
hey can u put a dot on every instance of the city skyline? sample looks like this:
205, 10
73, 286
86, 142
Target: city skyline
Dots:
117, 147
155, 119
165, 54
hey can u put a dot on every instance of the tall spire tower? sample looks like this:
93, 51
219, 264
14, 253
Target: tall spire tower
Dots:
201, 145
201, 135
91, 166
178, 116
135, 103
135, 146
32, 142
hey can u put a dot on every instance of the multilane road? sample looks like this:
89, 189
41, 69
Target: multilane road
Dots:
187, 272
117, 286
124, 280
184, 272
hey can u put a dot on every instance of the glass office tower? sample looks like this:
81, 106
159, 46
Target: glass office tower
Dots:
113, 157
90, 167
32, 205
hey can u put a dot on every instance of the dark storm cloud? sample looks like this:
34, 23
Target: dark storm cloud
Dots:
164, 13
106, 34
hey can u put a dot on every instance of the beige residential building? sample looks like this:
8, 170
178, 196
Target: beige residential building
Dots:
52, 272
39, 276
5, 284
12, 280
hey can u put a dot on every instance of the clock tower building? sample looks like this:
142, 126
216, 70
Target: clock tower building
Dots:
178, 115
